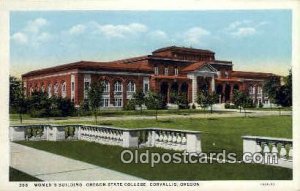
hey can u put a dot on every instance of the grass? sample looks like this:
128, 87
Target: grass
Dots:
217, 134
16, 175
114, 113
109, 157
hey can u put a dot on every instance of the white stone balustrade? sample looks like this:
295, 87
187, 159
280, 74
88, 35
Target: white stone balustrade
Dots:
280, 147
28, 132
178, 140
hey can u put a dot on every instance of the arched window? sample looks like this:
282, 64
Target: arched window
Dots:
63, 90
31, 91
56, 89
49, 90
43, 88
118, 86
259, 89
105, 86
131, 86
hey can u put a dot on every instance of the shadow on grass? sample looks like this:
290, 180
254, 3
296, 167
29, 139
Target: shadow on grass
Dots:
165, 121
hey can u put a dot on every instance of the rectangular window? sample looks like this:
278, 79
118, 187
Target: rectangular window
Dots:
166, 71
146, 88
156, 70
86, 85
86, 88
105, 102
118, 102
73, 86
176, 71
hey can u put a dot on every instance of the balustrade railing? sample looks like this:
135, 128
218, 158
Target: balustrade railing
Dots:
179, 140
279, 147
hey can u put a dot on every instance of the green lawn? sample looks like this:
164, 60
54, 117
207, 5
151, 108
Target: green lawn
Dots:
114, 113
109, 157
217, 134
16, 175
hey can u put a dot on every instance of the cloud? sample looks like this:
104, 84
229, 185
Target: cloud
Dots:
120, 31
20, 38
195, 35
244, 28
77, 29
34, 26
158, 34
32, 34
243, 32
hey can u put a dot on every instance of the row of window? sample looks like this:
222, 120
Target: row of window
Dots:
118, 102
118, 87
252, 90
166, 71
55, 89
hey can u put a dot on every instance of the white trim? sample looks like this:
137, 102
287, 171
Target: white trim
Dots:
87, 72
115, 73
51, 75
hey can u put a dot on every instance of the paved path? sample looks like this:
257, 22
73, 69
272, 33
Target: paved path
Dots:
231, 113
51, 167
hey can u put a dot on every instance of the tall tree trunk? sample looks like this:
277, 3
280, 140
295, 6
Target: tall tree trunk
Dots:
20, 117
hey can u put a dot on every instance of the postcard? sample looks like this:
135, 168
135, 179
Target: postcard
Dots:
127, 95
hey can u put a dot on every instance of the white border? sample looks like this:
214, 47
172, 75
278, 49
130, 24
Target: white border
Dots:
28, 5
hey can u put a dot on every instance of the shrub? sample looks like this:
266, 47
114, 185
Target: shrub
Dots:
227, 105
193, 106
130, 105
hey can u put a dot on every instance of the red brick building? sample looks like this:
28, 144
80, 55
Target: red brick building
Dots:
166, 70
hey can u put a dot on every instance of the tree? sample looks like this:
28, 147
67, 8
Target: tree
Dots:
139, 99
179, 99
154, 101
17, 100
95, 93
277, 93
206, 99
241, 100
39, 105
284, 93
271, 87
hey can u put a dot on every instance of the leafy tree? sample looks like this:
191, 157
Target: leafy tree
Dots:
39, 104
179, 99
284, 92
17, 100
64, 106
139, 99
271, 87
95, 93
154, 101
241, 100
206, 99
277, 93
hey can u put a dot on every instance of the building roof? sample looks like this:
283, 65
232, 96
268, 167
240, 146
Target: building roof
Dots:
243, 74
194, 66
232, 79
185, 49
170, 77
89, 65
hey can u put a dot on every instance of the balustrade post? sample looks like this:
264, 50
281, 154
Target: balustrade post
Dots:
17, 133
193, 142
249, 146
130, 138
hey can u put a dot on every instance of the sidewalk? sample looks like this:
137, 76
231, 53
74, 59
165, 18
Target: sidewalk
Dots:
233, 113
51, 167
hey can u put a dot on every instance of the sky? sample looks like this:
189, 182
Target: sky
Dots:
254, 40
